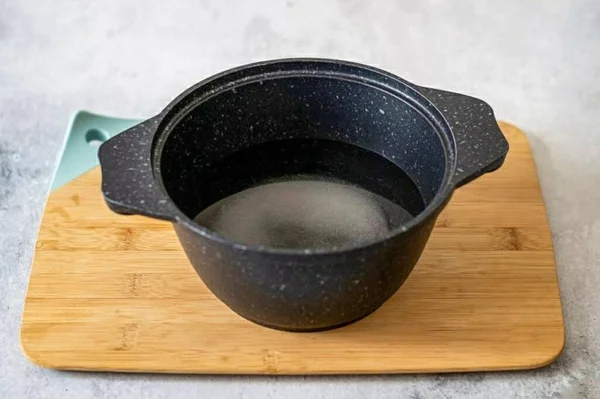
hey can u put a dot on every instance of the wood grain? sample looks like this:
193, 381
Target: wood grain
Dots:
110, 292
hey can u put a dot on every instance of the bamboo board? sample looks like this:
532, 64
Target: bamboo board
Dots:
116, 293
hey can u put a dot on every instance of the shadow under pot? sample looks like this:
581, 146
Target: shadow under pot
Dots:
303, 191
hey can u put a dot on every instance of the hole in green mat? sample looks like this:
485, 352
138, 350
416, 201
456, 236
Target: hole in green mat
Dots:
95, 137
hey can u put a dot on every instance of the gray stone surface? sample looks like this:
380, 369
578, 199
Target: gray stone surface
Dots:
536, 63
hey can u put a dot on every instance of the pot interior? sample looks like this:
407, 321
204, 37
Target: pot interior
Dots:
303, 128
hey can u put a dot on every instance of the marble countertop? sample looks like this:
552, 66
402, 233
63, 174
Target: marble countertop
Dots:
536, 63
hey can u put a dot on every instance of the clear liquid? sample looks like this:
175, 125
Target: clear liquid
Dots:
305, 193
303, 213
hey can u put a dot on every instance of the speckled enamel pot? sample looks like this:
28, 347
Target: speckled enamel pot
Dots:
442, 140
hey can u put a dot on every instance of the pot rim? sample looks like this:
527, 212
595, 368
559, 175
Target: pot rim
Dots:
168, 119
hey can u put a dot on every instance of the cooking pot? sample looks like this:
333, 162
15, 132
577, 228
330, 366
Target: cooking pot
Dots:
165, 168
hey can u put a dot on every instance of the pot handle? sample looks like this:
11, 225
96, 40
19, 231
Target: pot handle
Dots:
480, 145
128, 183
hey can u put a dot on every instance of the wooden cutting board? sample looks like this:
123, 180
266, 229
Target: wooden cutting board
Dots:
110, 292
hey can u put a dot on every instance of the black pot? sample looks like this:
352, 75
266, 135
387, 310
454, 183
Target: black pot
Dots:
163, 168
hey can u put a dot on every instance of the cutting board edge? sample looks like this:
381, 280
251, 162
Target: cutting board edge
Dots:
543, 361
